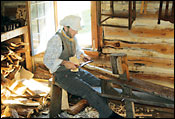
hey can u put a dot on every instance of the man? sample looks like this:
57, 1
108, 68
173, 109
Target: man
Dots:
60, 48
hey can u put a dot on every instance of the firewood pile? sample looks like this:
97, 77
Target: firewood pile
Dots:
21, 95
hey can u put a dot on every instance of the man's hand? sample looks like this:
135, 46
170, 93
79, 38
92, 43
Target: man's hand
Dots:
69, 65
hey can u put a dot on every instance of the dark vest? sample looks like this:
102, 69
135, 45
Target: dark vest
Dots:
68, 50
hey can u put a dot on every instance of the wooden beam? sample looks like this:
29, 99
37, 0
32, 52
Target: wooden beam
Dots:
94, 25
27, 53
55, 15
11, 34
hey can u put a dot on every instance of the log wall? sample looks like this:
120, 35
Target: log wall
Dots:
148, 45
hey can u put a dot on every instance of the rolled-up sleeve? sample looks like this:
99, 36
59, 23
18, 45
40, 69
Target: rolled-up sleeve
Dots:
52, 54
79, 51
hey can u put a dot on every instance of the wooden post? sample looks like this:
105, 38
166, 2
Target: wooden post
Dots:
56, 96
27, 53
119, 66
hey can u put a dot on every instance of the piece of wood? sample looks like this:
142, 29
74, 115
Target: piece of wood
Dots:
28, 102
6, 112
94, 27
11, 34
75, 109
27, 54
100, 70
56, 98
64, 102
25, 74
41, 71
120, 66
12, 74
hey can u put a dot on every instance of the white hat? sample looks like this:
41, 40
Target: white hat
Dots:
72, 21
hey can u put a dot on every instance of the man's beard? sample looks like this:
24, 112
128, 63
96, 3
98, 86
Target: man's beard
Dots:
69, 34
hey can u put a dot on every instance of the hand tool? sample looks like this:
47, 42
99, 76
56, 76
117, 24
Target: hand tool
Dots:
82, 64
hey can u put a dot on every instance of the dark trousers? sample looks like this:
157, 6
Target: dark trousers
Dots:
80, 84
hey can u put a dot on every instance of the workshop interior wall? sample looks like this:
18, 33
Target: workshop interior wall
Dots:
149, 46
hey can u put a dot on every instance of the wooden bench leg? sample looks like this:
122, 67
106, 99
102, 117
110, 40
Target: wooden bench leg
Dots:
56, 96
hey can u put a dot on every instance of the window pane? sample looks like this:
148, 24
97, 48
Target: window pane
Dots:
41, 9
36, 40
33, 11
34, 26
42, 25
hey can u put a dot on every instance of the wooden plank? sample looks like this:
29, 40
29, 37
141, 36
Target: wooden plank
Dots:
11, 34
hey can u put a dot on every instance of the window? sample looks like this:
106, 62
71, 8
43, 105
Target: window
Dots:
82, 9
42, 24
